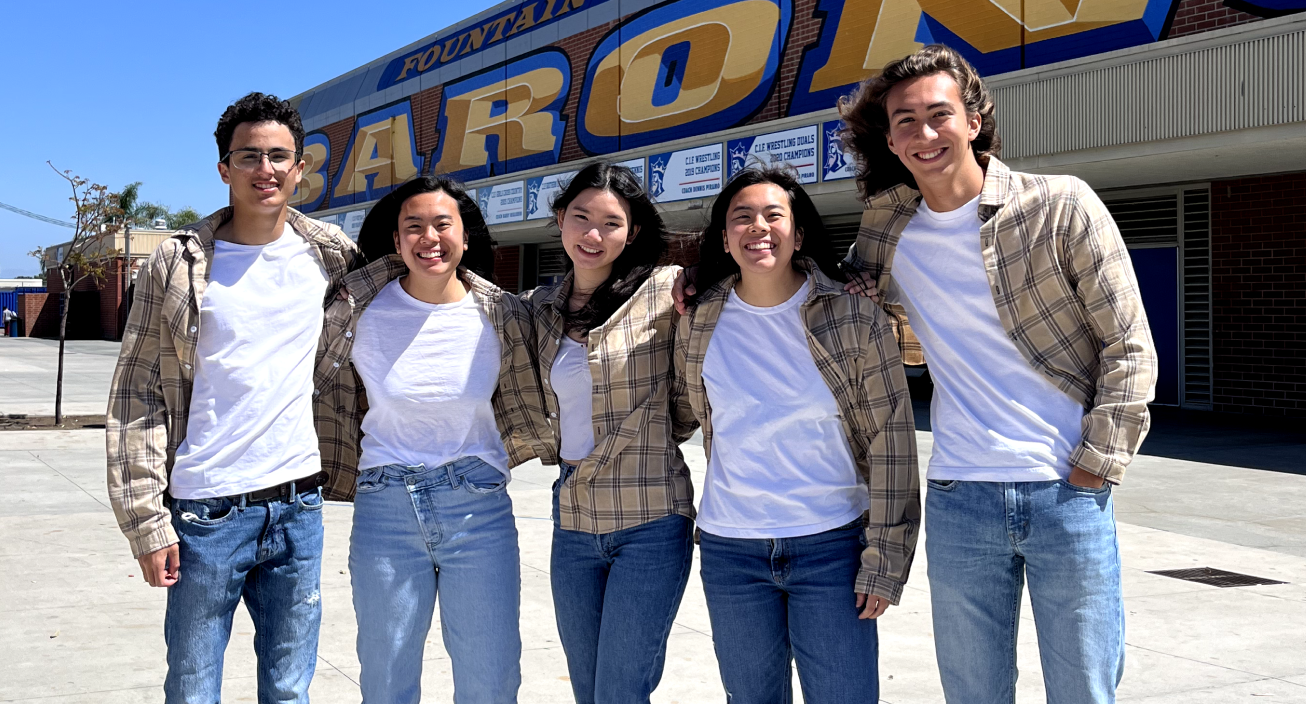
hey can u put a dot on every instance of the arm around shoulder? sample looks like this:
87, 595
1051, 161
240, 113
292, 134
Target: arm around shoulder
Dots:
531, 435
683, 420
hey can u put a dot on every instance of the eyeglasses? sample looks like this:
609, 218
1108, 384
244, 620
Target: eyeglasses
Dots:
282, 160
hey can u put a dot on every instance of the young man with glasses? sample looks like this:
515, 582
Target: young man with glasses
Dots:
1022, 295
214, 468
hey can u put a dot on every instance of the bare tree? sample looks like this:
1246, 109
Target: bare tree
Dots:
95, 222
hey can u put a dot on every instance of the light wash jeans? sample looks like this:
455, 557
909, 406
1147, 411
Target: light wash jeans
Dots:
270, 554
615, 596
445, 530
983, 540
776, 601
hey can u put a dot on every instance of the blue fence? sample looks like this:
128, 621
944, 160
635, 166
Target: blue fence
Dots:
9, 299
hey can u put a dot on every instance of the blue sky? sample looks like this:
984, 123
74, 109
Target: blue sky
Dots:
122, 92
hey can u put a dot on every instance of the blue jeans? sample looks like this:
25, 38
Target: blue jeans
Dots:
983, 540
270, 554
774, 601
615, 596
445, 530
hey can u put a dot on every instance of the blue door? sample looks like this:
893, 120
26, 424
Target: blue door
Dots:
1157, 269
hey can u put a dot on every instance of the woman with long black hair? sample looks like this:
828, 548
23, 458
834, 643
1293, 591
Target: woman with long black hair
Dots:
444, 393
623, 501
811, 504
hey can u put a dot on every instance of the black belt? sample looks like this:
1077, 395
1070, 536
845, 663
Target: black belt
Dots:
282, 492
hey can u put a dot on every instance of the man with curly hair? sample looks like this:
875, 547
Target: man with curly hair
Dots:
1022, 296
214, 467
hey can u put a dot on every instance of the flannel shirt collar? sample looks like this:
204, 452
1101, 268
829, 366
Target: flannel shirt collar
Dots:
822, 285
202, 233
997, 185
557, 298
364, 284
994, 194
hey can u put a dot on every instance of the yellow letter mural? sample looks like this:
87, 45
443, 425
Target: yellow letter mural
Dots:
667, 73
860, 36
312, 187
381, 155
505, 119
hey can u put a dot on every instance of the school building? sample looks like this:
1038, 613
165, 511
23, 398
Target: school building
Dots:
1188, 116
97, 308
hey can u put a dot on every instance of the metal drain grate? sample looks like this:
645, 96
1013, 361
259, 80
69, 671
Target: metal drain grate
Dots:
1216, 578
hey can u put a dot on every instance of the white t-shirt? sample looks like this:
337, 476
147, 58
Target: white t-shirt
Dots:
430, 371
572, 382
251, 409
781, 466
995, 418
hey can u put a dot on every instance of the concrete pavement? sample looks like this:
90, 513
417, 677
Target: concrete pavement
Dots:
79, 625
29, 367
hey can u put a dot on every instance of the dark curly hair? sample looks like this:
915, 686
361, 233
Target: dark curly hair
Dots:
376, 239
636, 262
258, 107
716, 264
866, 118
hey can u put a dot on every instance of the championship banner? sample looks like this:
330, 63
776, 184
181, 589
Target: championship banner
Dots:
797, 148
502, 202
540, 192
684, 174
838, 164
637, 166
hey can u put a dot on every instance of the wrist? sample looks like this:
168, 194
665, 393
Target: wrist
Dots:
1082, 477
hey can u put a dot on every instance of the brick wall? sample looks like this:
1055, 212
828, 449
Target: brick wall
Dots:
112, 315
338, 133
103, 323
426, 111
805, 31
507, 268
1258, 275
578, 47
1194, 16
40, 314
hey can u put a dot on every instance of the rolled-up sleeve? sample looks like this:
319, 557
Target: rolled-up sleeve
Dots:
1103, 274
137, 421
893, 480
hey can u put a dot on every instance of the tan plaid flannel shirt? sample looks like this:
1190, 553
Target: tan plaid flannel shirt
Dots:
149, 399
517, 402
1065, 292
852, 343
636, 472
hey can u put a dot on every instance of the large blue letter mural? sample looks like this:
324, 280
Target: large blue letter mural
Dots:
858, 37
681, 69
506, 118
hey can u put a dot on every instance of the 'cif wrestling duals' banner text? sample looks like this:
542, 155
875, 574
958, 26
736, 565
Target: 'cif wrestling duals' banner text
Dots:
546, 82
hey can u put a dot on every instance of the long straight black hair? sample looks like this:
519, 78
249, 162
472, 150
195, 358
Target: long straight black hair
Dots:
376, 239
636, 262
716, 264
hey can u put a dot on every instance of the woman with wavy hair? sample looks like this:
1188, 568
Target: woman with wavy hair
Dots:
811, 504
623, 501
444, 391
